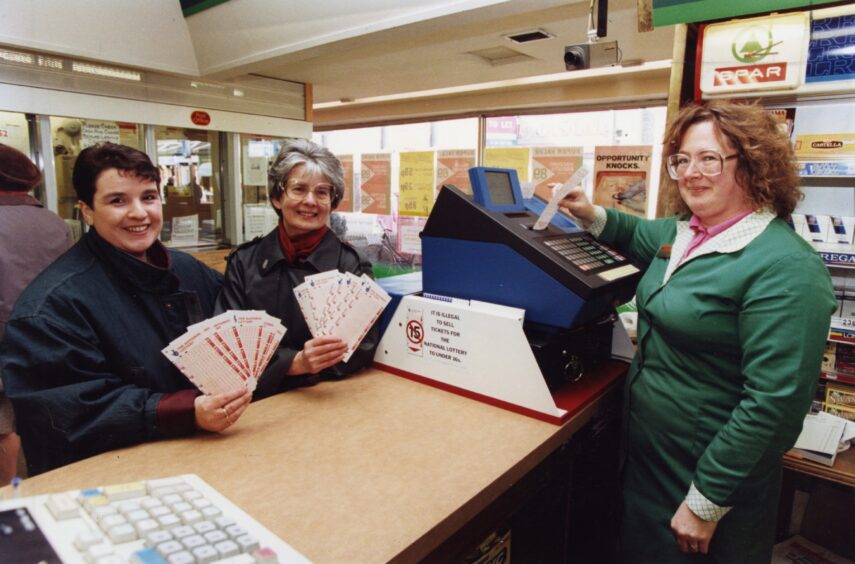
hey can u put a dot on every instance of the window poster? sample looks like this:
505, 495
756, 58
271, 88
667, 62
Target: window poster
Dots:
254, 168
95, 132
346, 203
416, 182
510, 157
13, 131
551, 165
376, 187
185, 230
452, 167
621, 174
409, 228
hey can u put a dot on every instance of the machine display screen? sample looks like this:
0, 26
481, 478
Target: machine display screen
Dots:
499, 186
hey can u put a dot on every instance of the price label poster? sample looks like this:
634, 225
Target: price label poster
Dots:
376, 183
416, 183
621, 175
550, 165
346, 203
515, 158
409, 228
452, 167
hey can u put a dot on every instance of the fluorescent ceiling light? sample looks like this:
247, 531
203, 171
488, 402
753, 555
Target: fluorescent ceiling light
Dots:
563, 76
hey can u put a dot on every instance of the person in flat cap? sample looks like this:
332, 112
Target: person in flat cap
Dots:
31, 237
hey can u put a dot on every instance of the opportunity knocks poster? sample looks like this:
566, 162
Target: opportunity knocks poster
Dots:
621, 175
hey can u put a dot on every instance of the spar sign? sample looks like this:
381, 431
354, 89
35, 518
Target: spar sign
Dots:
765, 53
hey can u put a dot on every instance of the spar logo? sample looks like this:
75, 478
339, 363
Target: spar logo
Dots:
752, 45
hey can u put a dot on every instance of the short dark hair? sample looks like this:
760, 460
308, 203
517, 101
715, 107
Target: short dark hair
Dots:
316, 158
94, 160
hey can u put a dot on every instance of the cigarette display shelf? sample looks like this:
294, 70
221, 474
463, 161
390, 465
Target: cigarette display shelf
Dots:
836, 255
842, 331
838, 377
828, 181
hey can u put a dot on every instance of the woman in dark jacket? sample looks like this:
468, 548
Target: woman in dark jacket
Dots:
81, 356
305, 184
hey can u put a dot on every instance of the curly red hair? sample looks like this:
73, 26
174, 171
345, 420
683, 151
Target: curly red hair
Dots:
767, 168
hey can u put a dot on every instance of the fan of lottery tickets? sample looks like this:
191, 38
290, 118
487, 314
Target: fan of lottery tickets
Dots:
228, 351
341, 304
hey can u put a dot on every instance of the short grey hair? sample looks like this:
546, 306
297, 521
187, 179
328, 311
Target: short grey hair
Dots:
295, 152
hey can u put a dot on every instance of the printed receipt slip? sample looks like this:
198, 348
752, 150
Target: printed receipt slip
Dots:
228, 351
341, 305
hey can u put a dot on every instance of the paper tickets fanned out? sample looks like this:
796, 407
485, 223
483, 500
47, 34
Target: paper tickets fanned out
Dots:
228, 351
341, 305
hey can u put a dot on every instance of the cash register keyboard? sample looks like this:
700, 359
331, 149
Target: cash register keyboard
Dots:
585, 252
175, 520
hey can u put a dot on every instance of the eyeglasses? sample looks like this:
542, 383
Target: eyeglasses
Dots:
709, 163
323, 193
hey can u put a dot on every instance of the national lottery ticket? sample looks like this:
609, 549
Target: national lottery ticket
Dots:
228, 351
341, 304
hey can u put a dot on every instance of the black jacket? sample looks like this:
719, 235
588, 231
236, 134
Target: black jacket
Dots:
81, 358
260, 277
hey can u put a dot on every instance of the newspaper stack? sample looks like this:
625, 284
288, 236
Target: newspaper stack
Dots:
341, 305
228, 351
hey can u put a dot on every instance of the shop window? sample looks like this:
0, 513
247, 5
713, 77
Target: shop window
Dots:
69, 136
14, 131
190, 186
256, 155
392, 174
620, 149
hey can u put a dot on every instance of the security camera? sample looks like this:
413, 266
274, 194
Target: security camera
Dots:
590, 55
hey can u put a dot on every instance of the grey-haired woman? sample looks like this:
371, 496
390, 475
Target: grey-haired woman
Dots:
305, 183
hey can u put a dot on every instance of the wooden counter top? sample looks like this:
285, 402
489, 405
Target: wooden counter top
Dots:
843, 471
373, 468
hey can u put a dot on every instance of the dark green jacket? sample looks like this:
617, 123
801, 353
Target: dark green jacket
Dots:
729, 349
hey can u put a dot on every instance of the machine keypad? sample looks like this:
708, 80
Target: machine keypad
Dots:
585, 252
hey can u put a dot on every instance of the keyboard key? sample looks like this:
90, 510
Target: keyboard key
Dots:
205, 554
214, 537
96, 551
155, 538
265, 555
234, 531
146, 526
184, 531
204, 527
193, 541
227, 548
247, 543
122, 533
62, 507
147, 556
169, 521
168, 547
239, 559
111, 521
125, 491
85, 539
182, 557
100, 512
192, 516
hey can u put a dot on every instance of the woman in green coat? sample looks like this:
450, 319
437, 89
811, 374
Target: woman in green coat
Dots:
734, 309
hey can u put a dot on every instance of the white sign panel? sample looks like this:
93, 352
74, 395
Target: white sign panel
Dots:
767, 53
